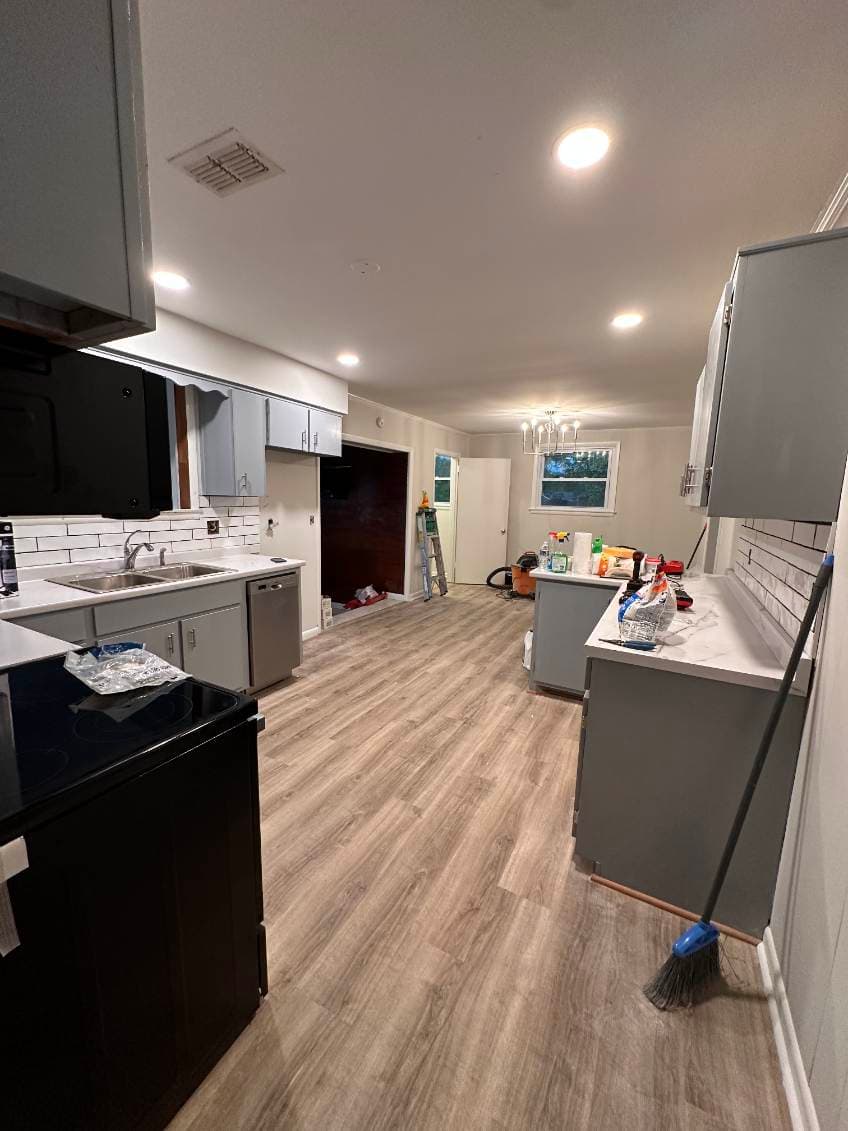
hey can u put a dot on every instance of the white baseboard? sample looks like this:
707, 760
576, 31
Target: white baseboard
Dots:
802, 1110
310, 632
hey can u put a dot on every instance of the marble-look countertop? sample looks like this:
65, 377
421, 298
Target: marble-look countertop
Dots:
718, 638
45, 595
19, 645
576, 578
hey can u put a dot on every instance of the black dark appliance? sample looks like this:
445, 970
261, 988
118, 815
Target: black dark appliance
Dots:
142, 952
81, 434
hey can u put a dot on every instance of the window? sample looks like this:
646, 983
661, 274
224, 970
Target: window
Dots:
582, 480
442, 480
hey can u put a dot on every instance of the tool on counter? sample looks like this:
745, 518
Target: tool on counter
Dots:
635, 645
430, 548
693, 970
635, 583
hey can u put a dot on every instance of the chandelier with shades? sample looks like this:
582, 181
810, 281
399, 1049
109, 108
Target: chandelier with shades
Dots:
549, 435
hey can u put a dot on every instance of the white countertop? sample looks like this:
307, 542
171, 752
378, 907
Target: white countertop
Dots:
19, 645
576, 578
44, 595
718, 638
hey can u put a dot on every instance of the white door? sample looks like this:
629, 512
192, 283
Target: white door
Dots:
292, 504
481, 518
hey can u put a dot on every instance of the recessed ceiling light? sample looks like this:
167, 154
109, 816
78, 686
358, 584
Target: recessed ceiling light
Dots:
583, 147
348, 359
627, 320
171, 280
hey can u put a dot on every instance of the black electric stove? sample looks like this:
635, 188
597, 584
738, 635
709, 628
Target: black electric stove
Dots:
60, 743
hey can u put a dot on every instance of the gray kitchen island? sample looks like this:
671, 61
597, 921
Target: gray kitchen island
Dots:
567, 609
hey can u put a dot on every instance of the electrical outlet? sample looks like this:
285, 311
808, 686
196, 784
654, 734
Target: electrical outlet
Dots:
213, 526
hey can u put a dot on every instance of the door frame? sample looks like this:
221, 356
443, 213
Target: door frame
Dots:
367, 442
454, 503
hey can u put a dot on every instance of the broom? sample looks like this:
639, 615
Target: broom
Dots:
692, 970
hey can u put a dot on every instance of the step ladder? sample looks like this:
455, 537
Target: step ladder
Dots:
430, 548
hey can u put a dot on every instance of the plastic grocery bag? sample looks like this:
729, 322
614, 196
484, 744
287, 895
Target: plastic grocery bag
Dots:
528, 648
649, 611
111, 668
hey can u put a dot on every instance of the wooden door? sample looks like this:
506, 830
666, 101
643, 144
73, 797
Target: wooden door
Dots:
481, 518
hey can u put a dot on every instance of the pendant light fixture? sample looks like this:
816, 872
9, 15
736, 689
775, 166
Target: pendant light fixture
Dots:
550, 435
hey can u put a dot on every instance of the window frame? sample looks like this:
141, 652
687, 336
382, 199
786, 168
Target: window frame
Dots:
450, 479
611, 446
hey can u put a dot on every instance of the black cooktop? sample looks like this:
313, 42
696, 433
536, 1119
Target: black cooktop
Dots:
57, 736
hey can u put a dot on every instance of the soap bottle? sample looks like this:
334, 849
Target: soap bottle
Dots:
544, 555
8, 564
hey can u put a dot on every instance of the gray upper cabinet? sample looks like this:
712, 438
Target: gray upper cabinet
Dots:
288, 425
773, 428
74, 214
232, 443
297, 428
325, 433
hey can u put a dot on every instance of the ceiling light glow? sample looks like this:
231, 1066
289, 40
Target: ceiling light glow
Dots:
171, 280
580, 148
348, 359
626, 320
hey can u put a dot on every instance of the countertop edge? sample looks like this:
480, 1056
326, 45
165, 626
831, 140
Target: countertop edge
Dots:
577, 578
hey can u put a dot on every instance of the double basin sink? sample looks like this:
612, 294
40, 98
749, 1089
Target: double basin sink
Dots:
137, 578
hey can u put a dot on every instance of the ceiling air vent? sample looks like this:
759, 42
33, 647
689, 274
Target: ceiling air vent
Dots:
225, 163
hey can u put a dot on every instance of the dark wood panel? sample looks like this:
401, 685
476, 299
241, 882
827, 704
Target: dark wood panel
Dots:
363, 521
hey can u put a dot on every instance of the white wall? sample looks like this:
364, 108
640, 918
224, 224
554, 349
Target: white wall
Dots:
810, 914
423, 438
292, 503
189, 345
649, 511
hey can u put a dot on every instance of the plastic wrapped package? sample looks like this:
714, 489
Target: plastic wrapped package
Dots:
111, 668
649, 611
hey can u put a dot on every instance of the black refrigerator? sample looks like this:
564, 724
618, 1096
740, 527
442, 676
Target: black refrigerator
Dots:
142, 951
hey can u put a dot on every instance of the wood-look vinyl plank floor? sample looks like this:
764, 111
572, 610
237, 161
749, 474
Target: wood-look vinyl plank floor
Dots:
435, 959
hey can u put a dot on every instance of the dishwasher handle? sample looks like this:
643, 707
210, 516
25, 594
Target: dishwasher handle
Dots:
272, 584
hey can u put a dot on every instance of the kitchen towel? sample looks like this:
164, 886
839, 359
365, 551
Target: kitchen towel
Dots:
13, 859
582, 554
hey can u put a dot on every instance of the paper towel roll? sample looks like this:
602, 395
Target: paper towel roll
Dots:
582, 557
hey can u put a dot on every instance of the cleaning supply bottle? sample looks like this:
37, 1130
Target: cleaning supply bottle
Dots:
8, 564
597, 550
559, 558
544, 555
425, 502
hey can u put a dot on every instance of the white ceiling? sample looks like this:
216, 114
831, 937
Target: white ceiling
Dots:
418, 133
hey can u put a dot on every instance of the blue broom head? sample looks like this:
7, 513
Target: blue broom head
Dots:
698, 936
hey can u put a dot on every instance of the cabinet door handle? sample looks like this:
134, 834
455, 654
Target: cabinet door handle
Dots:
192, 638
170, 643
315, 448
303, 440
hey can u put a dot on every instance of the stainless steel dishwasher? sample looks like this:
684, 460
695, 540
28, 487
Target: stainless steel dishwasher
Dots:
276, 647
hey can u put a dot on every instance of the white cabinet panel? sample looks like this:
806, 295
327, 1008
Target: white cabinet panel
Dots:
325, 433
288, 425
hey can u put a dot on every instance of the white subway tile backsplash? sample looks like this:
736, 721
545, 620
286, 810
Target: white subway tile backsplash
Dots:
251, 540
68, 543
804, 533
44, 557
199, 544
25, 545
147, 524
777, 561
250, 510
105, 527
112, 539
40, 530
96, 554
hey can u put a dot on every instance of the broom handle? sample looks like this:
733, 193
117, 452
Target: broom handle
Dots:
819, 586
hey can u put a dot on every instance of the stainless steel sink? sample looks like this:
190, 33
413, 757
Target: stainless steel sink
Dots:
109, 582
183, 571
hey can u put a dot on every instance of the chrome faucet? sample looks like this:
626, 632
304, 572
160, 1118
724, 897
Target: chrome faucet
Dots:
131, 554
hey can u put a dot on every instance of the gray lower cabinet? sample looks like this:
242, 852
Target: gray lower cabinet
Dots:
663, 761
163, 639
232, 443
74, 625
74, 213
207, 644
565, 614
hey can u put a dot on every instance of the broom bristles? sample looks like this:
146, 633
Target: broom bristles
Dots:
683, 982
